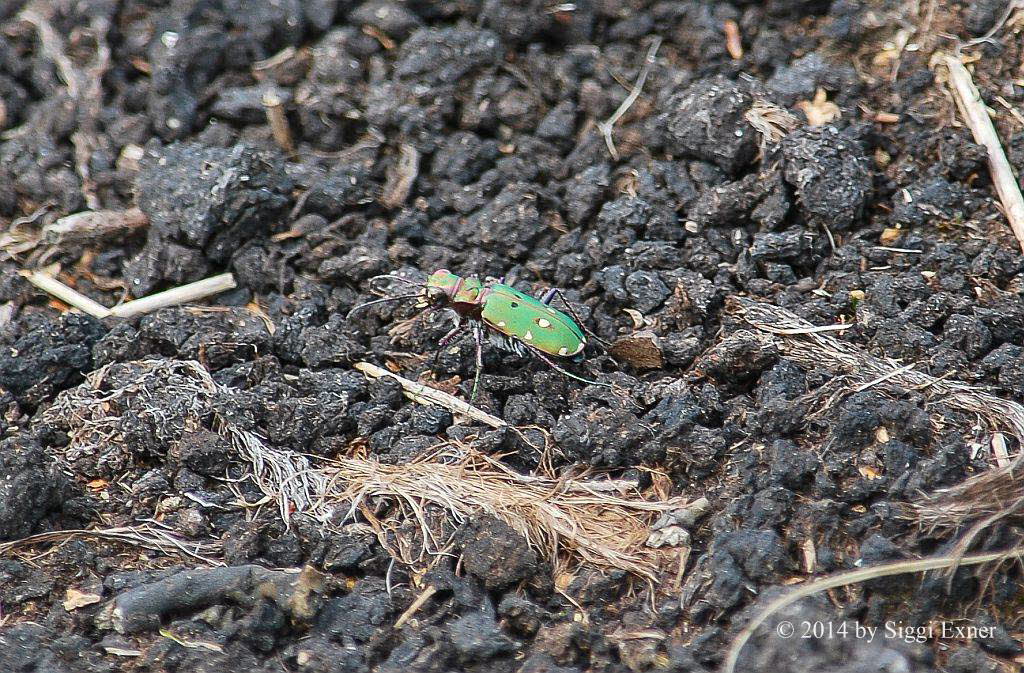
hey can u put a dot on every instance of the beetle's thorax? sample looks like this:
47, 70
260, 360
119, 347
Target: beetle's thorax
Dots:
463, 294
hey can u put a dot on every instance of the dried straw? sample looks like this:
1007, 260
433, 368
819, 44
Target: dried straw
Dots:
985, 498
809, 347
556, 516
94, 417
146, 536
599, 522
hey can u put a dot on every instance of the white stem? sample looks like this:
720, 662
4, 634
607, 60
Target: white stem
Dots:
66, 294
178, 295
418, 392
976, 115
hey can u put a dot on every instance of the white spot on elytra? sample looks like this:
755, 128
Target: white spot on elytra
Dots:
563, 351
528, 336
501, 323
544, 322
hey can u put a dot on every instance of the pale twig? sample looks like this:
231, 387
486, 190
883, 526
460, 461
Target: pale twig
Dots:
94, 226
853, 577
976, 115
422, 394
279, 128
793, 331
178, 295
280, 58
884, 377
886, 248
66, 294
416, 605
606, 126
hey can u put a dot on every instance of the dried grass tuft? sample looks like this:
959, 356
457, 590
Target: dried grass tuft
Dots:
566, 519
573, 516
773, 123
95, 410
147, 536
986, 498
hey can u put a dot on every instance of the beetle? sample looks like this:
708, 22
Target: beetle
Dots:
513, 320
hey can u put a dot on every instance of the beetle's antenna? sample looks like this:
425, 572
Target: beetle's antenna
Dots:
390, 276
380, 301
551, 363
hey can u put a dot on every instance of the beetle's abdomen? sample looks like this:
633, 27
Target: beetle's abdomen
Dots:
522, 317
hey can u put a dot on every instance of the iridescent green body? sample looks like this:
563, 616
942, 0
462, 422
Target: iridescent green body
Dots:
505, 310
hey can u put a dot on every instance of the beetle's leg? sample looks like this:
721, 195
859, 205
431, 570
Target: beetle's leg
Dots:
554, 365
445, 340
549, 295
478, 337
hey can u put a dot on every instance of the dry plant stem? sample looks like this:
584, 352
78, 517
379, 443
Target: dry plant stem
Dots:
976, 115
66, 294
422, 394
183, 294
853, 577
178, 295
94, 226
279, 127
606, 126
416, 605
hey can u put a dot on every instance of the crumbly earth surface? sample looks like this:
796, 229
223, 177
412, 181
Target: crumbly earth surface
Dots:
804, 155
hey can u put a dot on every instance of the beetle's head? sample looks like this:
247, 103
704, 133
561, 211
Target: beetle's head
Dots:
440, 288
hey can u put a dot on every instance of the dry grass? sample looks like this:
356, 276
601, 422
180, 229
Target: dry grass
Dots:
424, 500
147, 536
810, 347
983, 499
570, 516
773, 123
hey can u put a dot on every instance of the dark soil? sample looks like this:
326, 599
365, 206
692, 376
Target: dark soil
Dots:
465, 135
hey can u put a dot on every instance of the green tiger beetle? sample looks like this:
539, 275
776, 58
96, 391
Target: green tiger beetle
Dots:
513, 320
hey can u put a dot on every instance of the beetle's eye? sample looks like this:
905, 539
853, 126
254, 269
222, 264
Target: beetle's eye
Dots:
436, 296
